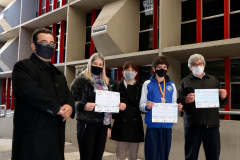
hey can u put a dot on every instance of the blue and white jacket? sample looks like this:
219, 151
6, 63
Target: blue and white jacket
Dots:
151, 92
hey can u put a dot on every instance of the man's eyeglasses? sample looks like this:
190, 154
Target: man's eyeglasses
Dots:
44, 43
197, 64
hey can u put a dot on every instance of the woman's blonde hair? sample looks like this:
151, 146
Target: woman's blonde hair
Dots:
88, 71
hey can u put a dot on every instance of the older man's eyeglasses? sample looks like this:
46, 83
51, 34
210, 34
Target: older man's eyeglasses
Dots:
197, 64
44, 43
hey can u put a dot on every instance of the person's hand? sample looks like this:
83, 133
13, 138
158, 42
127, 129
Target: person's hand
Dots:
149, 105
222, 93
89, 106
190, 98
67, 111
180, 106
122, 106
109, 133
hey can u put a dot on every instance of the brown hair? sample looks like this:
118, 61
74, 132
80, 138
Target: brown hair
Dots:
37, 32
129, 64
160, 60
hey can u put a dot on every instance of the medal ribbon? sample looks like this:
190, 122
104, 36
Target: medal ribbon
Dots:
162, 92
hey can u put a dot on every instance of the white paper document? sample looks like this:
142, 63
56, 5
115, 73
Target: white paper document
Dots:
206, 98
107, 101
165, 112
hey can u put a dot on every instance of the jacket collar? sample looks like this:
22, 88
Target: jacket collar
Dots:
167, 78
204, 76
41, 64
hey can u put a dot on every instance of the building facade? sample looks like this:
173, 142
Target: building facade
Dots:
122, 30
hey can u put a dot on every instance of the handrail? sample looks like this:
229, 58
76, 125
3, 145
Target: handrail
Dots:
5, 110
230, 112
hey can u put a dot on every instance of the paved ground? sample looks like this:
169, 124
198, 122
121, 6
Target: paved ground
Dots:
71, 152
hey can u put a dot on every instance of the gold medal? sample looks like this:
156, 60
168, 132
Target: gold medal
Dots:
163, 100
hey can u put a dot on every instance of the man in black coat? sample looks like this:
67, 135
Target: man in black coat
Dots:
200, 124
42, 103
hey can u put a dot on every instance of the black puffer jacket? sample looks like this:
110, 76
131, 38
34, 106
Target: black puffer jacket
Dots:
83, 92
195, 117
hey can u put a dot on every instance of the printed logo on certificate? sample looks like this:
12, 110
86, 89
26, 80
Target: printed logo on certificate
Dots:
207, 98
165, 113
107, 101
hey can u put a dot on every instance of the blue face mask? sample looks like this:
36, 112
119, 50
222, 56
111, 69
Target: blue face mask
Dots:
44, 50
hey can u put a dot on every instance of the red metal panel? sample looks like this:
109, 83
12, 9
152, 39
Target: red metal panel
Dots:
227, 85
62, 35
63, 2
46, 27
226, 19
40, 8
199, 21
8, 93
54, 4
54, 26
119, 73
12, 101
3, 90
92, 46
47, 6
155, 25
137, 76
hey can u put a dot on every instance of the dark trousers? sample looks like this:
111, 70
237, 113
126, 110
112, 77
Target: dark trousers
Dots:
210, 137
91, 140
157, 143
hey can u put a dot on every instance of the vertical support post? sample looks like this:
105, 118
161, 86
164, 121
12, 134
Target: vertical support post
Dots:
155, 24
199, 21
227, 85
62, 35
226, 19
92, 46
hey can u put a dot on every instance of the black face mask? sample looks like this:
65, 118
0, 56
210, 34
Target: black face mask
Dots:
44, 51
96, 70
161, 72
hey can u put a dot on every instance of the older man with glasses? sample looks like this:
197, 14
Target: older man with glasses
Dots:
200, 124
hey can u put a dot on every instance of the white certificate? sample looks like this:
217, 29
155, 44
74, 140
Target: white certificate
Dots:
107, 101
206, 98
165, 112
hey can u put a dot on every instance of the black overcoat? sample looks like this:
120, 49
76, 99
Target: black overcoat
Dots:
128, 125
39, 91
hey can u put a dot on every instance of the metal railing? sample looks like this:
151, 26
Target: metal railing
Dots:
230, 112
4, 110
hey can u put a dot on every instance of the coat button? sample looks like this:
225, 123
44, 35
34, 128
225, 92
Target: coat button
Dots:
56, 84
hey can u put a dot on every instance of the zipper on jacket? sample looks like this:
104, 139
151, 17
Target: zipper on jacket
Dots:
83, 130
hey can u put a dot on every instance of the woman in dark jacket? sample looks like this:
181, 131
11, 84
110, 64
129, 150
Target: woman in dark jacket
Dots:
127, 129
91, 126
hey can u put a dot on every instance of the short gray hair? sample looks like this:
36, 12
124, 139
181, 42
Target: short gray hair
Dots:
194, 58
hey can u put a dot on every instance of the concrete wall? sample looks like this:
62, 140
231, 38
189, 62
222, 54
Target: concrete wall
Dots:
6, 127
229, 131
12, 12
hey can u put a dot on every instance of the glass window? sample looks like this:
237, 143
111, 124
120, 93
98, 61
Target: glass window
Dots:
234, 25
235, 99
88, 34
145, 72
212, 7
146, 5
66, 1
145, 41
88, 20
235, 70
234, 5
216, 68
37, 3
112, 75
188, 33
87, 51
188, 10
146, 21
58, 3
213, 29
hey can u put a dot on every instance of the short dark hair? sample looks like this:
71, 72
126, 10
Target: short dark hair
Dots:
129, 64
38, 31
160, 60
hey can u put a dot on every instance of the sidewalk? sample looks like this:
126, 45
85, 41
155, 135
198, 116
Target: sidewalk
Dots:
71, 152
